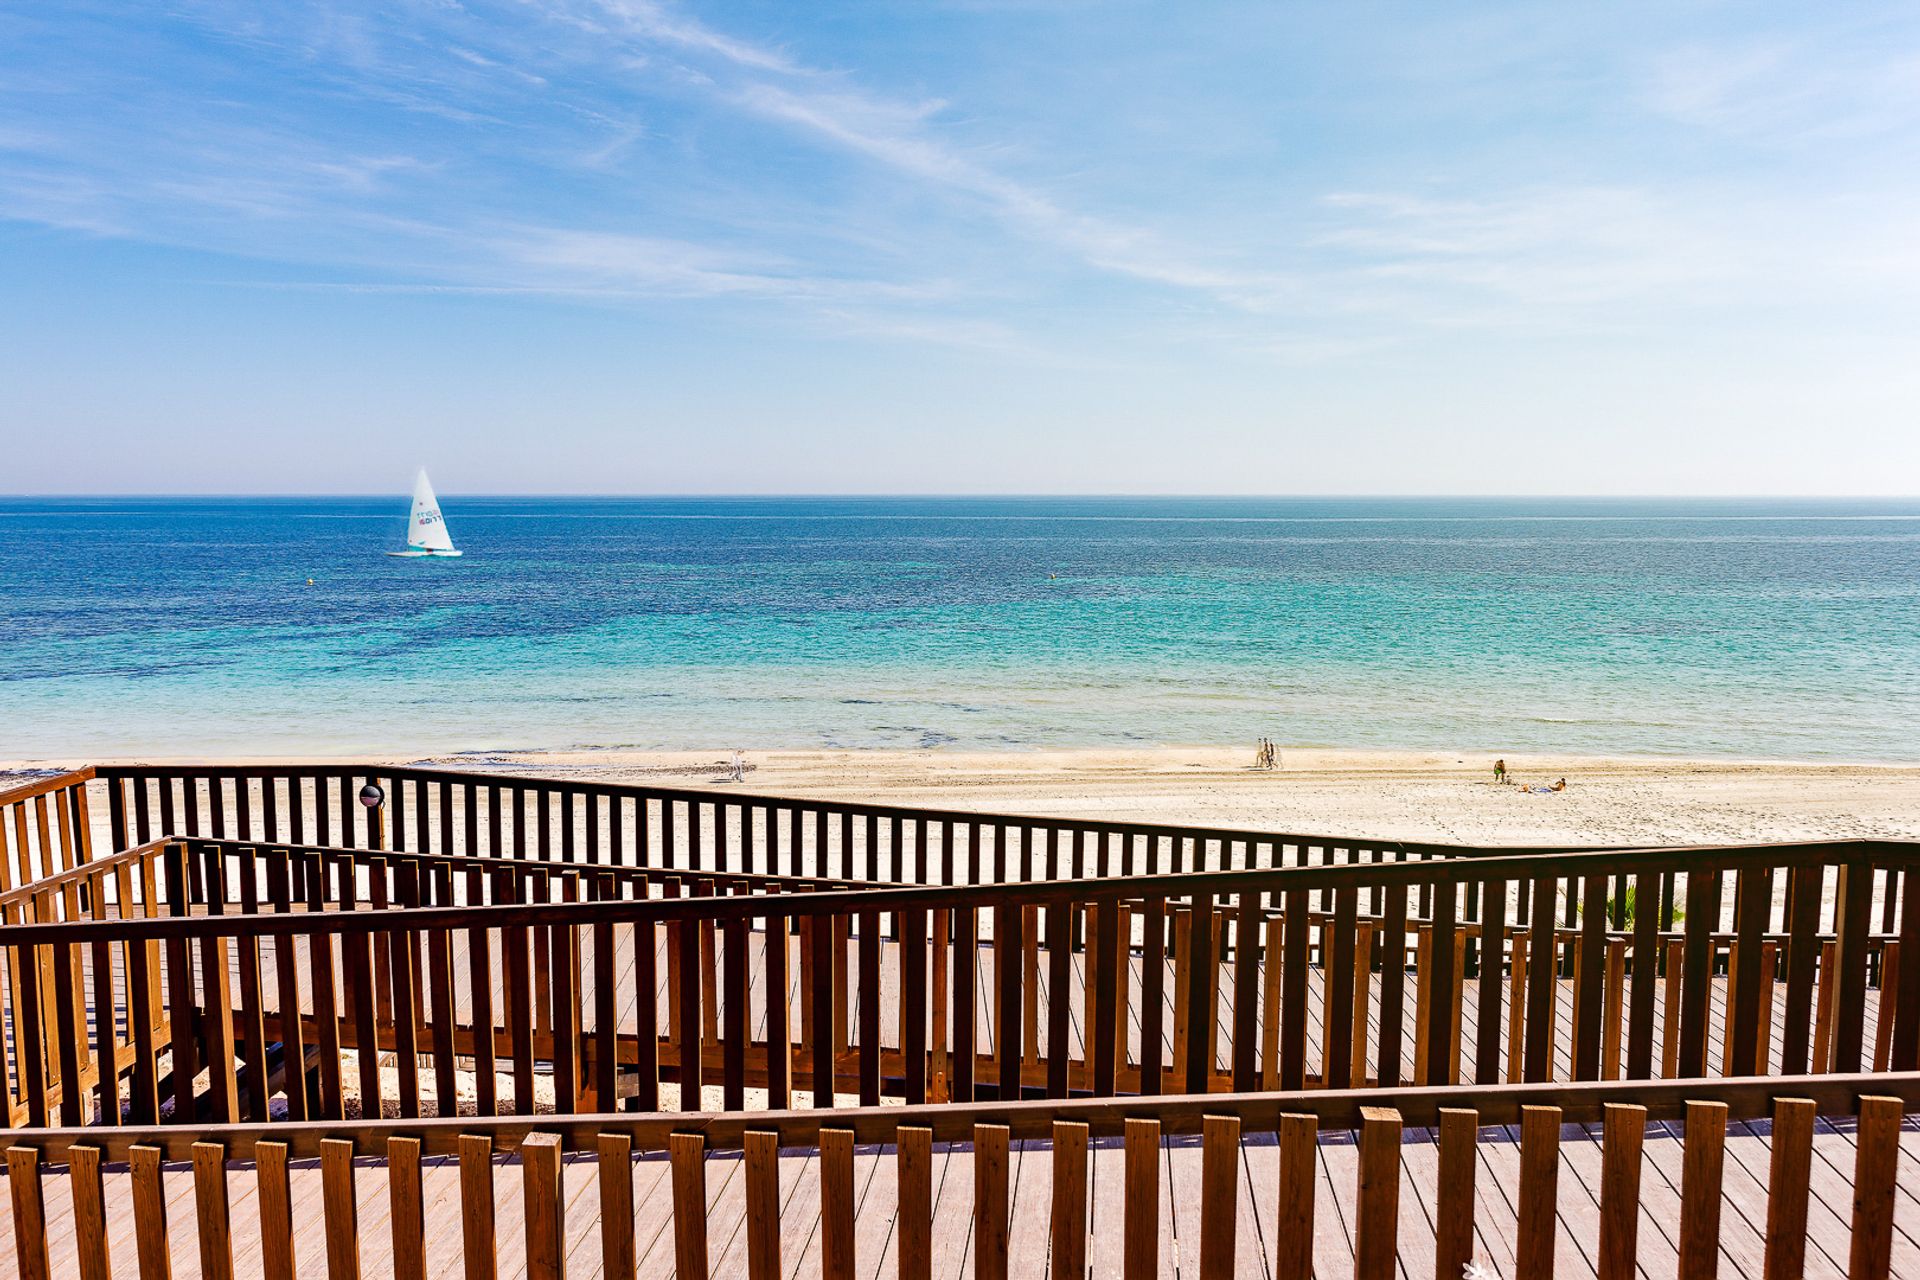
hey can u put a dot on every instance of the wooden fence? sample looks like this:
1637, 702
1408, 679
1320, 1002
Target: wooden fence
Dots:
700, 829
46, 827
111, 1177
574, 821
614, 825
421, 977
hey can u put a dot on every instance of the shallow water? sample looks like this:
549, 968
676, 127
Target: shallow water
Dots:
1766, 628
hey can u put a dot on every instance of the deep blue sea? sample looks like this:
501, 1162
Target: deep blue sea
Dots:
175, 626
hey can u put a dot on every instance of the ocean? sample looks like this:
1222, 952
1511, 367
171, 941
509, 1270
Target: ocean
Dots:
1785, 629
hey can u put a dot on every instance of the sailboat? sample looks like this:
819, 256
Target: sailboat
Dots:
426, 527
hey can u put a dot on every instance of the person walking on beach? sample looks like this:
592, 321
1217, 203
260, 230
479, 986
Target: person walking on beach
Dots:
1499, 770
739, 766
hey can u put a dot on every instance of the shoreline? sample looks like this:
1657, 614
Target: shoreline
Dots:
1352, 793
1317, 756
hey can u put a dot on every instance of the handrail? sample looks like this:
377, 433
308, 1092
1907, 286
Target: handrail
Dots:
1148, 886
860, 809
1901, 855
1240, 943
81, 874
47, 785
39, 838
1579, 1102
1104, 1225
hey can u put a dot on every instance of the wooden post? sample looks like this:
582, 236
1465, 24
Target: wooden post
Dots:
1182, 984
913, 1155
1702, 1162
1069, 1234
1517, 1013
1875, 1164
1141, 1210
1122, 971
1030, 983
779, 1008
762, 1152
1299, 1173
407, 1219
1453, 1210
1670, 1001
1730, 1013
1769, 968
1456, 1025
688, 1154
990, 1201
476, 1205
1219, 1195
1377, 1216
29, 1212
89, 1211
1620, 1161
1539, 1193
210, 1204
1823, 1009
1615, 1011
1270, 1004
839, 927
544, 1207
1422, 1003
836, 1205
1791, 1167
616, 1205
1333, 1061
340, 1207
938, 1086
149, 1213
1889, 1001
1362, 1002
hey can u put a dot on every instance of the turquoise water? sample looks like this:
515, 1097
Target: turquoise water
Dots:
1760, 628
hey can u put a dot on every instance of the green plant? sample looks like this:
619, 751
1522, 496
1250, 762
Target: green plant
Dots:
1626, 914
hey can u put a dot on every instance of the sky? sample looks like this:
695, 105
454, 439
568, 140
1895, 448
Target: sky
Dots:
976, 246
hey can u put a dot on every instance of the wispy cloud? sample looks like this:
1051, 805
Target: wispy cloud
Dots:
630, 149
896, 136
1775, 91
902, 136
648, 265
1575, 246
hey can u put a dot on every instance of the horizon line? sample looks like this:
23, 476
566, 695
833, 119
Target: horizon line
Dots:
925, 495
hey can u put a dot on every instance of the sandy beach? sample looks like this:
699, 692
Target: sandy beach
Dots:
1391, 794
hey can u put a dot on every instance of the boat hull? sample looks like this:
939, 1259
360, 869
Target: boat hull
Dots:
415, 555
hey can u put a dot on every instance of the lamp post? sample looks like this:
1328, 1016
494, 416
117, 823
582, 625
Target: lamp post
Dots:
375, 800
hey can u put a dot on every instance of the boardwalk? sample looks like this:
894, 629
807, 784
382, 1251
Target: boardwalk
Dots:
1271, 979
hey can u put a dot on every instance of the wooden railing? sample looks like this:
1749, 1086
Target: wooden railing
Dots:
717, 829
706, 828
633, 980
213, 877
1258, 1156
45, 828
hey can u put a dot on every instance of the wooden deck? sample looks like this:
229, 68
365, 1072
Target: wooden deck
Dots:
1743, 1217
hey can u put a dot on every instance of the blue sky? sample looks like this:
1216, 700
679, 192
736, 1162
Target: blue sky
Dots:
618, 246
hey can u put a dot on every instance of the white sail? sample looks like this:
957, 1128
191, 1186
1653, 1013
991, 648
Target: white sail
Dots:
426, 528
